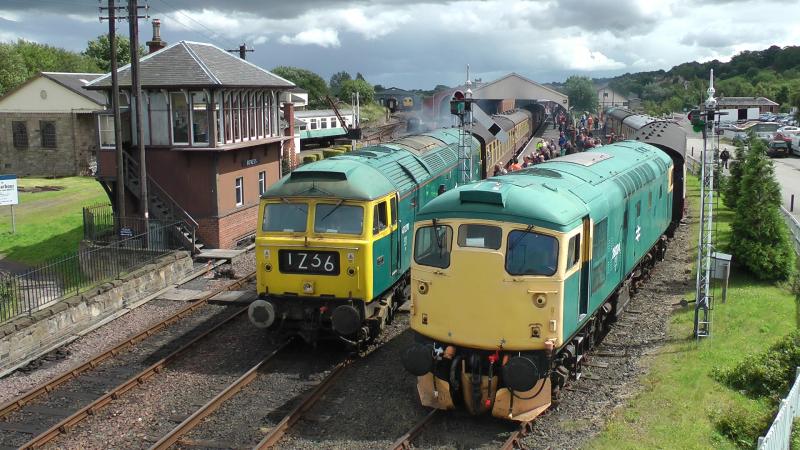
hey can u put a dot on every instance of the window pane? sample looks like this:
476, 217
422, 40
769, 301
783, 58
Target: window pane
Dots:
313, 124
252, 115
323, 122
180, 118
531, 253
289, 217
48, 131
199, 118
574, 251
344, 219
105, 125
236, 116
479, 236
239, 191
262, 183
432, 246
379, 218
20, 132
394, 210
228, 118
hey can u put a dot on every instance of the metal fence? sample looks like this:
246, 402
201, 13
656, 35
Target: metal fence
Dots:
794, 228
59, 278
780, 433
101, 225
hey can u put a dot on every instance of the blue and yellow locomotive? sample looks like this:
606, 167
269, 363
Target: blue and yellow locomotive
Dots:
333, 242
515, 277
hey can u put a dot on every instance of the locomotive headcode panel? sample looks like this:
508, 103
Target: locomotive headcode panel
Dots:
514, 277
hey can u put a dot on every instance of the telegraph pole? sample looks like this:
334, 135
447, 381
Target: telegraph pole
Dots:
242, 50
136, 89
112, 39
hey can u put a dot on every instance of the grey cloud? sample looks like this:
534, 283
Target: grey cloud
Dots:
709, 39
615, 16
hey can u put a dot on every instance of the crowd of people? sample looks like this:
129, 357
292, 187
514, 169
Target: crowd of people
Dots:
573, 137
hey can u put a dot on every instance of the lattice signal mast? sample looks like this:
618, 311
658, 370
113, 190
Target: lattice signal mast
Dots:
461, 107
704, 301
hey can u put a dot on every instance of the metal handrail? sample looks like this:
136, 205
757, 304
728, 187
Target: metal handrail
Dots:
161, 192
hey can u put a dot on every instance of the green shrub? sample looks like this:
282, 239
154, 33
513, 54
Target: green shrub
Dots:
309, 159
331, 152
759, 236
743, 426
767, 374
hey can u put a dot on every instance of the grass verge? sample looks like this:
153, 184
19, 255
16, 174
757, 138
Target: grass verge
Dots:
49, 223
681, 402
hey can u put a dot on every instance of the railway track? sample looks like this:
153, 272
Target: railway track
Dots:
57, 405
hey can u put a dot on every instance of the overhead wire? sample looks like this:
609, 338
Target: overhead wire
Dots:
218, 39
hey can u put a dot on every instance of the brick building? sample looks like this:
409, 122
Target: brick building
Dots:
215, 133
47, 126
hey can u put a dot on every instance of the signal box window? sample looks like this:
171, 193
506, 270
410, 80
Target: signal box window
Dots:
338, 218
432, 246
574, 251
239, 188
531, 253
479, 236
262, 182
286, 217
379, 218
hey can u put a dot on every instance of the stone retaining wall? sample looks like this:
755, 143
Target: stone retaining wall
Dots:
27, 336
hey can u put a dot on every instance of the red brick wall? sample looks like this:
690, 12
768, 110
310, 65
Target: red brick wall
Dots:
505, 105
223, 232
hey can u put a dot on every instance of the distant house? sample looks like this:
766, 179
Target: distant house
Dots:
763, 104
215, 132
503, 94
48, 127
609, 98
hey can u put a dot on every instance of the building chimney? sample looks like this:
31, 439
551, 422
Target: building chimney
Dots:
156, 43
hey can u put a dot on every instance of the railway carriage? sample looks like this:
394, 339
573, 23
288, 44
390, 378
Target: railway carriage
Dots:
515, 277
334, 236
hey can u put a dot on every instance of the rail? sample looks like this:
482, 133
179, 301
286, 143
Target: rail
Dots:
404, 441
794, 228
779, 435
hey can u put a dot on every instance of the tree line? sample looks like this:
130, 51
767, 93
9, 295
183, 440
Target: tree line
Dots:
22, 60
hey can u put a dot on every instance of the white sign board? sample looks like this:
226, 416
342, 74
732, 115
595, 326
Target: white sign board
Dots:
8, 190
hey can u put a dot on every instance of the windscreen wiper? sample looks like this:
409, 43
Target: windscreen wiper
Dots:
331, 211
516, 241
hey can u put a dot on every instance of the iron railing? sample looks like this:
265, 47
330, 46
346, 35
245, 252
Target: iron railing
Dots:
100, 225
23, 294
780, 432
794, 228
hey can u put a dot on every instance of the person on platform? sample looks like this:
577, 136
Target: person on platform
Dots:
724, 156
499, 170
514, 165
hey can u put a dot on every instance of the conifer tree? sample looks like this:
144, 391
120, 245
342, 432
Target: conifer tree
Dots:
731, 186
759, 236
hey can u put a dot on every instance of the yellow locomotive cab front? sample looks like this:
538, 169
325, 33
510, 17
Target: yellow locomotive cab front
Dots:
312, 257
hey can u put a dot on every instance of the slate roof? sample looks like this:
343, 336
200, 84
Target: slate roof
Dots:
725, 101
75, 83
195, 64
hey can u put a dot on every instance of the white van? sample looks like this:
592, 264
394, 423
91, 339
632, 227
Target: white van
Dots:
796, 144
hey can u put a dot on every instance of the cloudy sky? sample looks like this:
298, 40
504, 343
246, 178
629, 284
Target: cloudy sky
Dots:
418, 44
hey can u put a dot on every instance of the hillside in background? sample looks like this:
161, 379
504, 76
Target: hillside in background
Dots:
773, 73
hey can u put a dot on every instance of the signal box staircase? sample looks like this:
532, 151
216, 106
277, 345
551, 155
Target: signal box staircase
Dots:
162, 206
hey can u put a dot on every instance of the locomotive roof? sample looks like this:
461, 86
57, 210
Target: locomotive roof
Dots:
555, 194
374, 171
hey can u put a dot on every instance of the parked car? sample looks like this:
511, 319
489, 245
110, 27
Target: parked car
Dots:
778, 148
796, 144
789, 129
